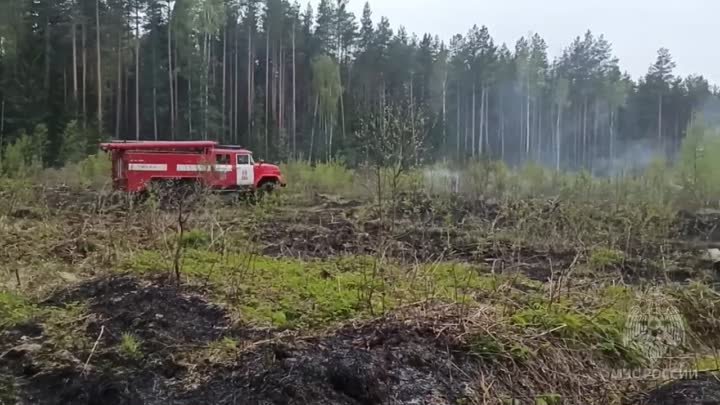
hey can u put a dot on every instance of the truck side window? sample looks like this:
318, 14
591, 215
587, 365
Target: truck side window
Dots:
243, 159
223, 159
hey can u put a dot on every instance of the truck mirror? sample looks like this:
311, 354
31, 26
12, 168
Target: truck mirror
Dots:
261, 161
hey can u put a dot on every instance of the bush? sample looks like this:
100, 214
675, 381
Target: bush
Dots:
24, 157
323, 178
130, 346
93, 171
603, 258
699, 166
74, 144
195, 239
14, 310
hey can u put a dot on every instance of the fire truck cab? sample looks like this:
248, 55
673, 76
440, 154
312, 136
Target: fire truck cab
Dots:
137, 165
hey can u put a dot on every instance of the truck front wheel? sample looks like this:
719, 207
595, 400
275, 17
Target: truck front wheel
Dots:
266, 188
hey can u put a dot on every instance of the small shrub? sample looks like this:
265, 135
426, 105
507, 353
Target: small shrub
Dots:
548, 399
602, 330
130, 346
14, 310
486, 347
95, 170
7, 390
489, 348
699, 305
195, 239
603, 258
323, 178
24, 157
74, 144
225, 348
699, 167
708, 363
66, 327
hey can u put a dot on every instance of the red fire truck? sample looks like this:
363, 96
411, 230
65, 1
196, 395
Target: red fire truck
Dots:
136, 166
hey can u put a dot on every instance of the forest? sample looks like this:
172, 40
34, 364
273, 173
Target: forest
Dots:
293, 82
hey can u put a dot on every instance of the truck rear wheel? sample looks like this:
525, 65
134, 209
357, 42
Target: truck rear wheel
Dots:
171, 192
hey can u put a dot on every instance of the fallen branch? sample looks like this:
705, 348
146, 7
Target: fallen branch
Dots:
102, 331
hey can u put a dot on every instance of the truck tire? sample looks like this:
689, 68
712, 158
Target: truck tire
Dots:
269, 186
265, 188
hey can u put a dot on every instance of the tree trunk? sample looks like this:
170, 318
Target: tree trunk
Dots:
481, 142
74, 59
294, 96
472, 132
126, 110
154, 85
502, 126
250, 83
267, 93
612, 135
137, 73
236, 91
596, 136
171, 86
312, 133
2, 126
208, 77
84, 74
224, 83
584, 134
155, 117
281, 92
457, 126
48, 51
558, 134
99, 70
521, 122
65, 86
331, 124
661, 142
444, 113
190, 99
412, 107
488, 148
539, 134
176, 79
118, 107
527, 121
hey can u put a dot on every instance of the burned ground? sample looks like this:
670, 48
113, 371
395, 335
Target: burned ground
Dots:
157, 311
193, 349
704, 390
431, 355
421, 355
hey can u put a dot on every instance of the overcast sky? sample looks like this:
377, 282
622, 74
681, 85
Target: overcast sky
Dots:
636, 28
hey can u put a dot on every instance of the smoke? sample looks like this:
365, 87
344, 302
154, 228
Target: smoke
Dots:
632, 156
441, 180
710, 112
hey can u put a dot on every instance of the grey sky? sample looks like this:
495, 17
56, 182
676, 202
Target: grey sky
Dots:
636, 28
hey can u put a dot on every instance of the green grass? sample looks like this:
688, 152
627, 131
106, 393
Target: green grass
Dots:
15, 310
323, 178
602, 258
7, 390
296, 293
600, 328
